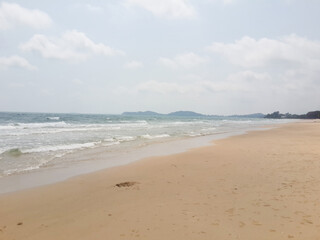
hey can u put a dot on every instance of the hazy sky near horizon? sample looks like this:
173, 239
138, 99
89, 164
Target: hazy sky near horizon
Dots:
208, 56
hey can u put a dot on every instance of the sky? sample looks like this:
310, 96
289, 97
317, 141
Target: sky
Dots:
209, 56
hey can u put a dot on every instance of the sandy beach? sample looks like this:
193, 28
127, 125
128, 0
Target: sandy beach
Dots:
261, 185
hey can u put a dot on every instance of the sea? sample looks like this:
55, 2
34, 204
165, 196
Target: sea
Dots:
32, 142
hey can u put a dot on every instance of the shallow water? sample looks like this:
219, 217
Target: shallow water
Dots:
36, 141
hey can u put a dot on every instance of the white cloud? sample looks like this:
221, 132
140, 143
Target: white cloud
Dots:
93, 8
249, 76
77, 81
190, 88
228, 1
17, 85
71, 46
172, 9
200, 87
249, 52
236, 83
13, 15
162, 87
224, 2
89, 7
186, 60
133, 65
15, 61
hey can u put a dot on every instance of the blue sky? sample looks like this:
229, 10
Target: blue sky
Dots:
209, 56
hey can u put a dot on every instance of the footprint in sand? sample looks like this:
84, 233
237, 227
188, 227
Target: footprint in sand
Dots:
307, 221
254, 222
216, 223
242, 224
2, 228
230, 211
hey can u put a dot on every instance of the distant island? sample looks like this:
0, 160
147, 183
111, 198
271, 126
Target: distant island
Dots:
274, 115
140, 113
278, 115
188, 114
176, 114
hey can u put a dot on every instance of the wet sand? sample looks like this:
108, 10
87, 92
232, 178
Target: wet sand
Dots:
261, 185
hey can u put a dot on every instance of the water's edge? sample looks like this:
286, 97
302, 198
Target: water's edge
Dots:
48, 176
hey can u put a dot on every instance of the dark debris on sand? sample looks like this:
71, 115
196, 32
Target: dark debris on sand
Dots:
125, 184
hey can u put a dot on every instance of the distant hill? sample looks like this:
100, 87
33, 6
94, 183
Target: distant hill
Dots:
175, 114
145, 113
309, 115
188, 114
185, 114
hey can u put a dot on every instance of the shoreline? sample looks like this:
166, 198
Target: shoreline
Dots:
264, 183
51, 175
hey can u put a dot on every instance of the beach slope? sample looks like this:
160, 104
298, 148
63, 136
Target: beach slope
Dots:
261, 185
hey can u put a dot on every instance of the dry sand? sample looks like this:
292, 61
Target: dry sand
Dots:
262, 185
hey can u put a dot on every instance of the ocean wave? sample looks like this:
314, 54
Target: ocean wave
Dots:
53, 130
3, 150
208, 129
111, 139
33, 125
178, 123
61, 147
43, 125
237, 121
107, 144
7, 127
184, 123
126, 138
136, 121
22, 129
194, 134
14, 152
147, 136
23, 169
53, 118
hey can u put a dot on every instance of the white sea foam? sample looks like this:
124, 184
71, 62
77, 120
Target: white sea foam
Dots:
147, 136
208, 129
109, 140
57, 129
20, 170
237, 121
107, 144
41, 125
126, 138
7, 127
192, 134
178, 123
61, 147
136, 121
53, 118
2, 150
129, 124
59, 155
186, 122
